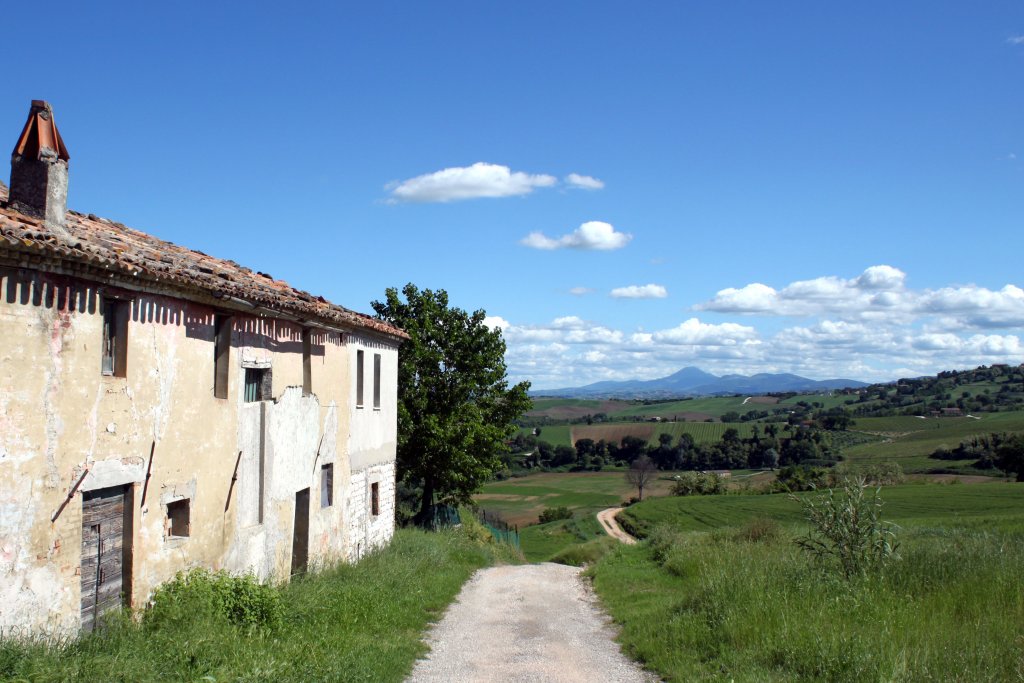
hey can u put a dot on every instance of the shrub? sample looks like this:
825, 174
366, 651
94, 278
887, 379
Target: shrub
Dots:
555, 514
698, 484
798, 478
847, 528
242, 600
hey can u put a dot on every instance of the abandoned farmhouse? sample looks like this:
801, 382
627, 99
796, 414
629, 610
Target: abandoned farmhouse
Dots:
162, 409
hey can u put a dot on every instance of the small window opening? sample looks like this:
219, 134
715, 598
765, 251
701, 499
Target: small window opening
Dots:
258, 384
221, 354
178, 518
115, 338
326, 486
359, 379
376, 381
307, 362
375, 499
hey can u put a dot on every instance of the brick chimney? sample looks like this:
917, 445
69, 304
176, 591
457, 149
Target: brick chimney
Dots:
39, 170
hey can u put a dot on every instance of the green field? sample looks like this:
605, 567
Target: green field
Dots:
721, 592
827, 401
990, 505
913, 439
714, 406
556, 435
521, 500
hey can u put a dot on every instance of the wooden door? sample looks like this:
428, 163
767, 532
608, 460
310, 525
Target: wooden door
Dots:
103, 553
300, 533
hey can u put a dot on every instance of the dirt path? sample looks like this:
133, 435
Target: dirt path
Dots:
608, 523
536, 622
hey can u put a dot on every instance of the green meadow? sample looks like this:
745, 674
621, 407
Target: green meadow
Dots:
720, 591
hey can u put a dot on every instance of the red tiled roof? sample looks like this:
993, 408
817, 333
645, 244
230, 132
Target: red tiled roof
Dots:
117, 248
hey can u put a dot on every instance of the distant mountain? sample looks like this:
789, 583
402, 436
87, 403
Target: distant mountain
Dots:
693, 381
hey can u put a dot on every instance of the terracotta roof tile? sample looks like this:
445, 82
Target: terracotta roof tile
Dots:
114, 246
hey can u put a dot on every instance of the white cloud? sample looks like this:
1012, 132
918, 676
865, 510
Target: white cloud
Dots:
879, 289
977, 306
584, 182
693, 331
1015, 40
581, 291
494, 321
592, 235
870, 327
640, 292
469, 182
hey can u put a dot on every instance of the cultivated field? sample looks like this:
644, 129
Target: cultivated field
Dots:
521, 500
909, 440
991, 505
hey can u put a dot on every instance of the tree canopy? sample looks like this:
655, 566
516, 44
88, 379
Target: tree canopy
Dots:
455, 406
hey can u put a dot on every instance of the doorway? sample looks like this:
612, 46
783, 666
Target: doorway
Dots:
300, 533
106, 551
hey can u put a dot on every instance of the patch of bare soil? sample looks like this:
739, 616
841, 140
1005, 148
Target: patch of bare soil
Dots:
766, 400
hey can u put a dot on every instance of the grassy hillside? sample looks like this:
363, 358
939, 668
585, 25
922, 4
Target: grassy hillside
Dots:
990, 505
909, 440
743, 603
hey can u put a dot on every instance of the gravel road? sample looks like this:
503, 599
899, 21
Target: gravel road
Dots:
536, 622
611, 526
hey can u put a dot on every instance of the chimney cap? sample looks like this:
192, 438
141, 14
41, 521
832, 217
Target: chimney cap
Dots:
40, 134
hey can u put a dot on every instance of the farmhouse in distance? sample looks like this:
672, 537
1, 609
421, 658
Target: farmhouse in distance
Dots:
164, 409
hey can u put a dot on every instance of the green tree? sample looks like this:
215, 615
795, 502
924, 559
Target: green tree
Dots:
455, 406
1010, 456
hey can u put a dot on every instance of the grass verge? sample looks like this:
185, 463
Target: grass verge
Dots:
359, 622
730, 605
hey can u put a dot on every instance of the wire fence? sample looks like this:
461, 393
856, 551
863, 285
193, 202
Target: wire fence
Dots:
502, 531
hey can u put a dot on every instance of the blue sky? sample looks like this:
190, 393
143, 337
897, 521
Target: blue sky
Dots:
626, 189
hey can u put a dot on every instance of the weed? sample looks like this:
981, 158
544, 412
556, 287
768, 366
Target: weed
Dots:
847, 527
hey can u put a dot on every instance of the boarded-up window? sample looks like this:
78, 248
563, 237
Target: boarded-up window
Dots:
376, 380
221, 354
258, 384
359, 379
178, 523
326, 486
307, 362
115, 338
375, 499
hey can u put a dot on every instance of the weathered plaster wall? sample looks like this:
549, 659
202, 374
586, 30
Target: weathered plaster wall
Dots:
61, 419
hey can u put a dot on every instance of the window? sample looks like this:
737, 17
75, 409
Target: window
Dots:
178, 518
258, 384
115, 338
221, 354
359, 379
375, 499
376, 381
326, 486
307, 362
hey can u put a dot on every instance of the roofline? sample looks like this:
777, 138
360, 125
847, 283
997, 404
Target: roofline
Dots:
58, 259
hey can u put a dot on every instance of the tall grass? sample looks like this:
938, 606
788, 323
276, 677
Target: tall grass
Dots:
746, 605
358, 622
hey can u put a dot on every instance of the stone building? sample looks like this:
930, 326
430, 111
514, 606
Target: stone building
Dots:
162, 409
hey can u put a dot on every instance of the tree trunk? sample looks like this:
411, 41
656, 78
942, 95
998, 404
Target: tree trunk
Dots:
640, 489
423, 517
